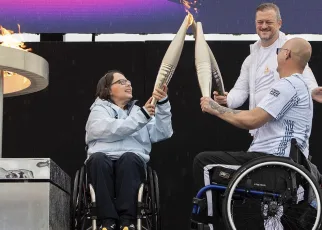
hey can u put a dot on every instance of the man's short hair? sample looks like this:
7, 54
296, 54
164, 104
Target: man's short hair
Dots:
270, 6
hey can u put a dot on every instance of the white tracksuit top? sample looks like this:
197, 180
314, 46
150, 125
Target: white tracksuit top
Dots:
258, 74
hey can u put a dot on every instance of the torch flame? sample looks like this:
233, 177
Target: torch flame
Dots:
188, 5
190, 16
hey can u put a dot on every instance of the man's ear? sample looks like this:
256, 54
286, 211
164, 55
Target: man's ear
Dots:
288, 52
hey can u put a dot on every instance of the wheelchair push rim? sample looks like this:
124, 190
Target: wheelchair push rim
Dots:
80, 220
148, 216
259, 163
157, 201
74, 199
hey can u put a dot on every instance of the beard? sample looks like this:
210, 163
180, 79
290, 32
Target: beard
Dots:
268, 36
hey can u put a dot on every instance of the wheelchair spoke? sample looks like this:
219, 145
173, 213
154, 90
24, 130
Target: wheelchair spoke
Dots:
148, 224
246, 221
294, 212
292, 220
287, 223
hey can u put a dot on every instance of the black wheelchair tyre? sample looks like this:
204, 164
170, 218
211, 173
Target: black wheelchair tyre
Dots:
253, 164
74, 199
80, 201
154, 194
81, 194
151, 187
157, 218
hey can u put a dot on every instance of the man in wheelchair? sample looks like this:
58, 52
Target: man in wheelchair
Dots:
285, 113
119, 136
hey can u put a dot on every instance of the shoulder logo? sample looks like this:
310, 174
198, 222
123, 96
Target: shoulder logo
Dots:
275, 92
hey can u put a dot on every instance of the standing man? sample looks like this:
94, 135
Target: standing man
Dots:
258, 72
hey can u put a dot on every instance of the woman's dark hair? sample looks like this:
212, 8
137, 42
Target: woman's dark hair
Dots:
104, 85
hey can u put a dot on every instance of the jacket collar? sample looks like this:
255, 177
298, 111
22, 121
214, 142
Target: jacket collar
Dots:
108, 103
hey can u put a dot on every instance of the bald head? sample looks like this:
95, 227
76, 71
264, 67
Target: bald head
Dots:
300, 51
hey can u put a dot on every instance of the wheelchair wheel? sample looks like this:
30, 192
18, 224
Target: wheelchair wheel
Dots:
80, 202
157, 218
148, 211
74, 199
250, 202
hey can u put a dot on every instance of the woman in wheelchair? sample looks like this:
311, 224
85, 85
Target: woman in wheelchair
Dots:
119, 135
266, 192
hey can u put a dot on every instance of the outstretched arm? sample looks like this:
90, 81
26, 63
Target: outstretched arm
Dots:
281, 98
247, 119
160, 127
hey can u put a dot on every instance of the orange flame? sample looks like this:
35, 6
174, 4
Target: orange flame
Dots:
10, 41
186, 4
189, 5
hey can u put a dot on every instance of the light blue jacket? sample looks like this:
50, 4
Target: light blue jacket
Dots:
114, 131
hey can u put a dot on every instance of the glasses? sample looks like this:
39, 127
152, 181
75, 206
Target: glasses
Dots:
122, 82
278, 50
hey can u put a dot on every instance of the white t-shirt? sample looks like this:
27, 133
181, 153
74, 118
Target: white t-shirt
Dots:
290, 104
266, 73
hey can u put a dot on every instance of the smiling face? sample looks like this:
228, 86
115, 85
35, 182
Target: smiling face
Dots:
121, 89
267, 24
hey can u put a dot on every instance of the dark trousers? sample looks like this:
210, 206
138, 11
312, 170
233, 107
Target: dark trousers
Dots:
200, 173
116, 184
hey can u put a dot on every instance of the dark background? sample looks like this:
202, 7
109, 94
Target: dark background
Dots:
51, 123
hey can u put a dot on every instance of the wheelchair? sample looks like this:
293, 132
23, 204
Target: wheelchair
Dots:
84, 213
269, 192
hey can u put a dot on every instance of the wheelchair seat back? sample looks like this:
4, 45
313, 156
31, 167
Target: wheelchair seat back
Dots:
297, 155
